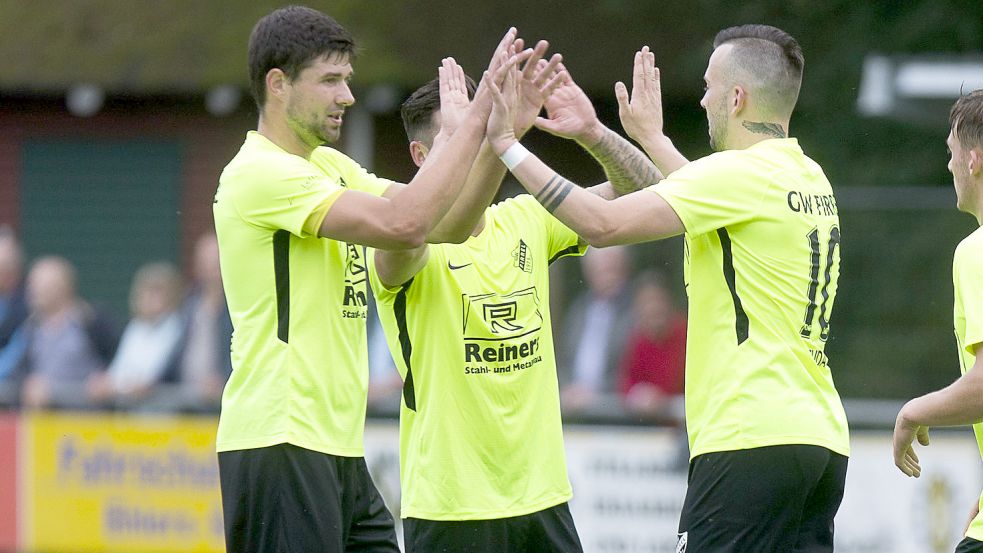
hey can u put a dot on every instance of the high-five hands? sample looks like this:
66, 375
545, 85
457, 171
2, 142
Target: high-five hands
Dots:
536, 73
509, 49
454, 104
504, 88
641, 113
508, 92
454, 100
570, 113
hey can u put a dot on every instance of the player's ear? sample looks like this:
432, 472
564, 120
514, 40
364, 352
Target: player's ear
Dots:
418, 151
975, 161
276, 82
739, 100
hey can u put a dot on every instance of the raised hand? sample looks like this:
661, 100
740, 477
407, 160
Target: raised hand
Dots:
536, 73
504, 88
570, 112
453, 96
508, 48
641, 114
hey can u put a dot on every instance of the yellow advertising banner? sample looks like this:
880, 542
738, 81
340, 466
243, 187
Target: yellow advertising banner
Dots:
105, 483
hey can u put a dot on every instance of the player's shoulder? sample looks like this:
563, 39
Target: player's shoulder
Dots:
971, 247
330, 156
260, 160
715, 164
518, 212
522, 205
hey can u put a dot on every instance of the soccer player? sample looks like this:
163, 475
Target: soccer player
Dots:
961, 402
768, 434
481, 445
291, 217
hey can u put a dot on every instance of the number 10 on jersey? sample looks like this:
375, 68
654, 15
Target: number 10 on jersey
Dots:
819, 287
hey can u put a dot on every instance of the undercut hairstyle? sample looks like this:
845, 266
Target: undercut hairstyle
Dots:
966, 120
769, 61
290, 39
417, 111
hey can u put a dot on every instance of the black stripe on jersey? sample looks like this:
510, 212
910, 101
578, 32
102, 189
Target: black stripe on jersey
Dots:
565, 252
281, 271
405, 345
741, 321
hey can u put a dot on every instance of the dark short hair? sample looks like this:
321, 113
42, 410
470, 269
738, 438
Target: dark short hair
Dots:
966, 119
771, 56
289, 39
417, 111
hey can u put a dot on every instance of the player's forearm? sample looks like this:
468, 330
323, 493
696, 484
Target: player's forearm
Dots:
663, 153
435, 188
396, 267
627, 168
479, 190
960, 403
589, 215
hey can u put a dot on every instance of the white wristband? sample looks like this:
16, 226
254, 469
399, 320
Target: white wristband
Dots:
514, 155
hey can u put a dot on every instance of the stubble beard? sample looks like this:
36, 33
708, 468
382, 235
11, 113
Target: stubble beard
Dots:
310, 131
717, 126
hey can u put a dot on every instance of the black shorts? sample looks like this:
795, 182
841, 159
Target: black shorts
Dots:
761, 500
547, 531
969, 545
288, 499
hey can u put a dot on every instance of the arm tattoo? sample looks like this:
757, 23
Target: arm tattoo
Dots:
555, 191
771, 129
627, 167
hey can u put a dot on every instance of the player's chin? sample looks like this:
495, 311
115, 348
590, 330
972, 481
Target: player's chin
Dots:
330, 135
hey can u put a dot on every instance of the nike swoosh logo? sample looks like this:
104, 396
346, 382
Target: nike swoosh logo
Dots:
454, 267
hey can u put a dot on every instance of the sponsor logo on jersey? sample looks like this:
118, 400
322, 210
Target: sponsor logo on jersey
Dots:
501, 331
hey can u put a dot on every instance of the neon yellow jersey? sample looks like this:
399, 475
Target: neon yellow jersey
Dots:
480, 431
967, 281
297, 302
761, 269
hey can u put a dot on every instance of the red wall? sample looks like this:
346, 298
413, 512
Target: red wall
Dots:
8, 482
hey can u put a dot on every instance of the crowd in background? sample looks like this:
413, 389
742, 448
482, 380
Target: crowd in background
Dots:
58, 350
620, 343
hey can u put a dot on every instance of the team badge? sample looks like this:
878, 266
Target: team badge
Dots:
681, 542
521, 258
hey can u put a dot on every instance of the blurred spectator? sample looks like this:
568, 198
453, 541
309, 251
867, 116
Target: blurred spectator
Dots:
653, 365
203, 361
13, 303
595, 328
13, 307
68, 342
149, 339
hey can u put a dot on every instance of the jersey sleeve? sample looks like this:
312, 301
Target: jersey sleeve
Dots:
561, 241
292, 198
710, 193
968, 268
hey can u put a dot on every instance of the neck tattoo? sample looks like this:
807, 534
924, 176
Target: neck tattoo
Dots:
773, 130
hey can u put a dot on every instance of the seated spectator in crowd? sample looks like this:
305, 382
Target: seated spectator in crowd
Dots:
595, 327
13, 310
68, 342
203, 361
149, 339
652, 369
